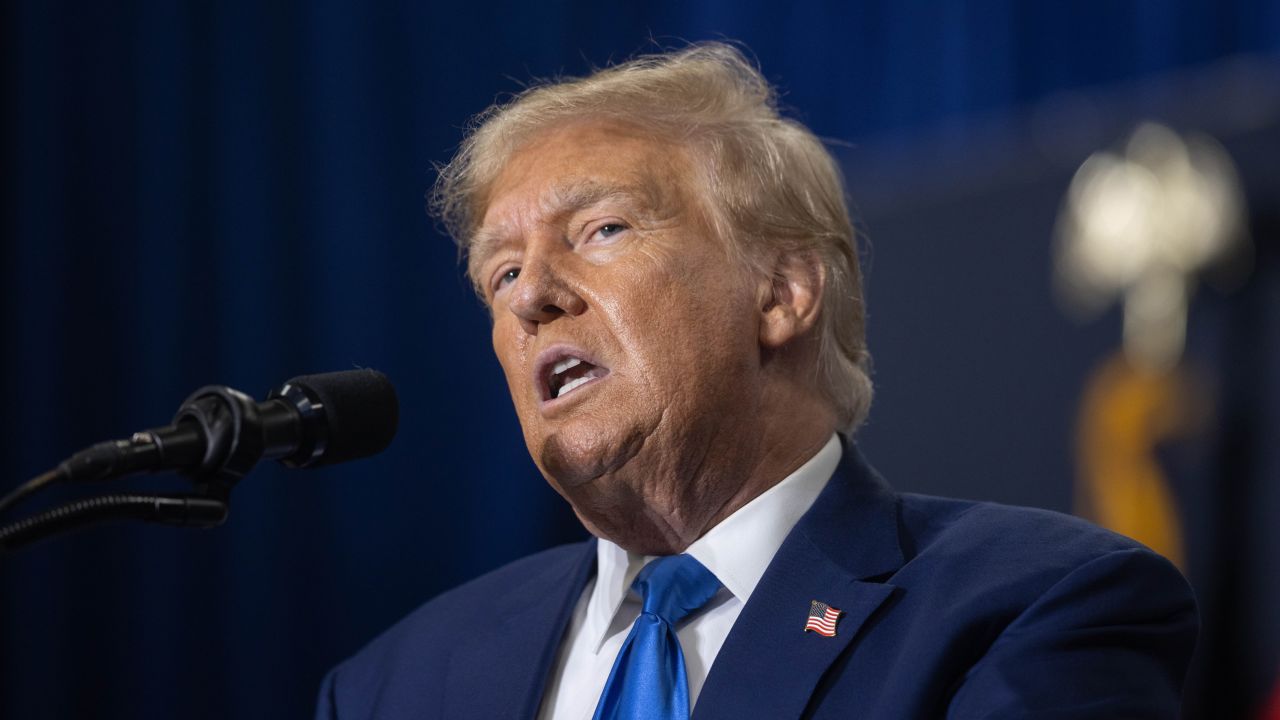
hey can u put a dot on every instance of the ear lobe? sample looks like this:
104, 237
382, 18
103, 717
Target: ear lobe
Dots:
792, 299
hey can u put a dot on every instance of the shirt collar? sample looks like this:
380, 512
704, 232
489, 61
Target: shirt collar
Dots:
738, 550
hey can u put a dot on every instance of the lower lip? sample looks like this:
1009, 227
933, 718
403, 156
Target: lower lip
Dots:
553, 403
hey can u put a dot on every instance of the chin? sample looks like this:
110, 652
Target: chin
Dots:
581, 452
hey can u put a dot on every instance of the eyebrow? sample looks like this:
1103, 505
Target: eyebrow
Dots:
560, 201
576, 196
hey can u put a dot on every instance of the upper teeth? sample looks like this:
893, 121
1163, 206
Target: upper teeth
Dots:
565, 364
560, 384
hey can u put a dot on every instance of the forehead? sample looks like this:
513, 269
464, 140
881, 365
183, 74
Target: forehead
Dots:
578, 165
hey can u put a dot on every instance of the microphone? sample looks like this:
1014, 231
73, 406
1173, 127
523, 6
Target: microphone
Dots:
219, 434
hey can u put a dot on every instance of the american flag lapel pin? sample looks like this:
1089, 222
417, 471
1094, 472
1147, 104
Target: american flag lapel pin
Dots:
822, 619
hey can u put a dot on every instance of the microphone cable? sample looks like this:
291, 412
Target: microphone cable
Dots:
28, 488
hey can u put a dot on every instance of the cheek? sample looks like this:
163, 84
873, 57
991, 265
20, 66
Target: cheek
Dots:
724, 324
699, 338
512, 350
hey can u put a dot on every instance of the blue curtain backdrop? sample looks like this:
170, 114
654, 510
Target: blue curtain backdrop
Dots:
232, 193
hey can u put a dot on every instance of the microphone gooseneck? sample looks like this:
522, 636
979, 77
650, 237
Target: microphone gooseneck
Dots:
216, 437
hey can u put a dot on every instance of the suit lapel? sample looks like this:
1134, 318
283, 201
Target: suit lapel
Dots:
503, 671
768, 666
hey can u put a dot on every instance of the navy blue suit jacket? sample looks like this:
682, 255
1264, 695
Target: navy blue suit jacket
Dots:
952, 609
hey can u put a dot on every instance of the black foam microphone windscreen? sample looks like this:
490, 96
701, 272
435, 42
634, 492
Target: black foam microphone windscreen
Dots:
360, 409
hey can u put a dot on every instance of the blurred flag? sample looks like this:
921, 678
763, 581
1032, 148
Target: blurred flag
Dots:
1178, 433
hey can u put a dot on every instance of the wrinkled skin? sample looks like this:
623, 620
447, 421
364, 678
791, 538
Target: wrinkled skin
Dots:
595, 240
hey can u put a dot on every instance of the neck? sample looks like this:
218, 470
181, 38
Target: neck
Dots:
782, 450
722, 470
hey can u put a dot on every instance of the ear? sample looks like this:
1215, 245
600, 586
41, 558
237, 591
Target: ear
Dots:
791, 300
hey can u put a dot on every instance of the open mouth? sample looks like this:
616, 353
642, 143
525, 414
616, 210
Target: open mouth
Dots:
568, 373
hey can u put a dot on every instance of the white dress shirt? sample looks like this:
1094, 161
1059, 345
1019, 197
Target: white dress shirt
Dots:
737, 551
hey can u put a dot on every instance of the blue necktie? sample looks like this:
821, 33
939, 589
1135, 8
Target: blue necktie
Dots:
648, 680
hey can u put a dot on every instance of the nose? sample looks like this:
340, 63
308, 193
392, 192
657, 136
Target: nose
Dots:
541, 294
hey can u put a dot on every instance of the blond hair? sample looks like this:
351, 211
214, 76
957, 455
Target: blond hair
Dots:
773, 188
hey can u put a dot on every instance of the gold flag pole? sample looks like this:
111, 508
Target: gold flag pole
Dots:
1139, 228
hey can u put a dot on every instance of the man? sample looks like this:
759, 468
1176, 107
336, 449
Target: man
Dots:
676, 306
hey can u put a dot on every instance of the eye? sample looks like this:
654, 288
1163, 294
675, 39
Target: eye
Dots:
607, 231
506, 278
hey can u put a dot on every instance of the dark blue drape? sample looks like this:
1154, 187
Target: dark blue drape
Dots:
232, 193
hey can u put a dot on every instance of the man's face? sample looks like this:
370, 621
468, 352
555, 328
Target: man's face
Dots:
628, 336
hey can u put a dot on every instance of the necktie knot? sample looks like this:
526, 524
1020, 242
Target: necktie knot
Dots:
674, 587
